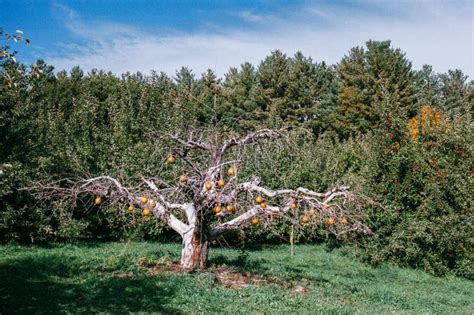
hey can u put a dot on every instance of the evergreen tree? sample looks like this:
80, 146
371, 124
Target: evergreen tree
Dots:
272, 85
310, 94
375, 83
428, 87
209, 98
457, 94
240, 107
185, 97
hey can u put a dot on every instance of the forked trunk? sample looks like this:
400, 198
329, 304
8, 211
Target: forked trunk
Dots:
195, 251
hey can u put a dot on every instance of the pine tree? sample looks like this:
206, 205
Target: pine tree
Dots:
272, 85
428, 87
457, 94
241, 107
375, 83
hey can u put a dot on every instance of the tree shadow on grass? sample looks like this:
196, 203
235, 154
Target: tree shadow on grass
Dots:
241, 263
50, 285
244, 264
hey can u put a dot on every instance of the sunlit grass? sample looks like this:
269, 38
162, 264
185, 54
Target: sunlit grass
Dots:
107, 277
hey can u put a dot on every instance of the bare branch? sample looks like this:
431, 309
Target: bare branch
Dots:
192, 144
235, 223
100, 185
116, 193
160, 197
298, 192
251, 138
245, 218
291, 197
169, 218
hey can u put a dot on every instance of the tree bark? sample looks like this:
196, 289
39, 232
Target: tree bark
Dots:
194, 252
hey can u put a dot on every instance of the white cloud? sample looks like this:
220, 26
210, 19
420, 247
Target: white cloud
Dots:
249, 16
432, 34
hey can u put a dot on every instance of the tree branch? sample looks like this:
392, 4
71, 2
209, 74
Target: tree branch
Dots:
300, 192
292, 196
192, 144
251, 138
116, 192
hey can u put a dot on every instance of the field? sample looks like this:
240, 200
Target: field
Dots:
138, 277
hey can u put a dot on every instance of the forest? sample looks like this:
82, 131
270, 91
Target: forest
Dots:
401, 138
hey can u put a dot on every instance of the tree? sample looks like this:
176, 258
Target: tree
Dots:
428, 87
5, 52
240, 105
456, 93
374, 83
272, 79
209, 200
310, 93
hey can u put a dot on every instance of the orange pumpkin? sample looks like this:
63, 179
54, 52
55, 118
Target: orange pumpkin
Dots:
231, 171
217, 209
293, 206
131, 208
263, 205
312, 212
183, 179
230, 208
146, 212
143, 200
208, 185
259, 199
343, 221
305, 219
170, 159
255, 220
98, 201
330, 221
220, 183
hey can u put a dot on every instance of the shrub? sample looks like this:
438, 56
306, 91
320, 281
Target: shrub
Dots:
422, 185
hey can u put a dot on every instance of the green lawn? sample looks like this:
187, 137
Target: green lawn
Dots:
111, 277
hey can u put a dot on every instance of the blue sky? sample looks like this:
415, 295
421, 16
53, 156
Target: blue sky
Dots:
144, 35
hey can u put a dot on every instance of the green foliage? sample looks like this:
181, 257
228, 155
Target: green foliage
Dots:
425, 187
374, 83
5, 53
457, 96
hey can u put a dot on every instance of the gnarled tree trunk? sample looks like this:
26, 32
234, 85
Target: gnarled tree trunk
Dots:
194, 252
196, 239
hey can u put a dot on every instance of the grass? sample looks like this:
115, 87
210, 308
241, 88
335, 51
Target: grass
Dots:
107, 277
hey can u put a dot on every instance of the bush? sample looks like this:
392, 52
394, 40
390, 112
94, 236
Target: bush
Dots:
422, 186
